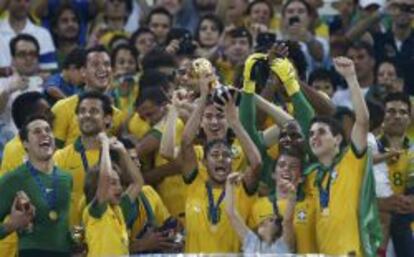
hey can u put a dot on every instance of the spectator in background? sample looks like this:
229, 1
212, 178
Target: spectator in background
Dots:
208, 33
161, 61
70, 80
397, 44
25, 62
18, 22
144, 41
236, 49
362, 54
321, 80
296, 26
65, 31
160, 21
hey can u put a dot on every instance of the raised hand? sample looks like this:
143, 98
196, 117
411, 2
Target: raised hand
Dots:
103, 138
344, 66
278, 50
286, 72
204, 82
116, 145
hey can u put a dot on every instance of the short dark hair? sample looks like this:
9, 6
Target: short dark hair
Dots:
362, 45
95, 49
390, 61
76, 58
209, 145
126, 47
241, 32
23, 37
139, 32
334, 126
158, 58
24, 132
253, 3
105, 100
398, 96
154, 94
213, 18
309, 8
162, 11
24, 106
296, 152
154, 78
320, 74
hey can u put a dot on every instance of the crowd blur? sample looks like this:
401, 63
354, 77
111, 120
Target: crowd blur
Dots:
205, 126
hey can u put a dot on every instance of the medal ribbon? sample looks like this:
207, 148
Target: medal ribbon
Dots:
324, 191
82, 151
50, 199
214, 209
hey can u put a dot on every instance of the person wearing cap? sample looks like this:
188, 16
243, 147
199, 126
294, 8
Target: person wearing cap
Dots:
397, 44
67, 82
238, 46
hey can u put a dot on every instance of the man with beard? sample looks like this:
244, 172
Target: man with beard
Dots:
93, 113
65, 30
395, 144
398, 43
36, 195
97, 74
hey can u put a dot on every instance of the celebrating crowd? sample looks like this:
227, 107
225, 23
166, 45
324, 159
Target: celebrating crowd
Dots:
133, 127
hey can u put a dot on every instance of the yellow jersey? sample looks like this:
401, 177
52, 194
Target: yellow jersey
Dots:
202, 235
172, 189
153, 206
13, 155
346, 180
70, 160
398, 170
138, 127
66, 126
105, 229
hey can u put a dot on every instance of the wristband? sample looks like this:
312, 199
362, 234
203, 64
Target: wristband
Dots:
249, 86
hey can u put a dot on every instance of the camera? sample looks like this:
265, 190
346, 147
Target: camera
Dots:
186, 46
265, 41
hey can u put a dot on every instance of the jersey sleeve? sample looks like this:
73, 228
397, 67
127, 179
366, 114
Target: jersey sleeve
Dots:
7, 192
61, 123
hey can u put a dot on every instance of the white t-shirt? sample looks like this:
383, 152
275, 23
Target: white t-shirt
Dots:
343, 97
47, 57
252, 244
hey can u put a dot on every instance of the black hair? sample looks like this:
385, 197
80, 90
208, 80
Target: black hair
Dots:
25, 105
240, 32
55, 19
213, 18
105, 100
255, 2
23, 37
376, 114
139, 32
320, 74
156, 95
154, 78
95, 49
362, 45
127, 142
297, 57
24, 132
308, 7
398, 96
296, 152
334, 125
162, 11
76, 58
157, 58
390, 61
126, 47
209, 145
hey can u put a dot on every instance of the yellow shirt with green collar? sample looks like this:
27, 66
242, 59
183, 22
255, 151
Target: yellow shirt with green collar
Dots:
399, 170
106, 233
13, 156
346, 177
69, 159
66, 126
158, 210
201, 234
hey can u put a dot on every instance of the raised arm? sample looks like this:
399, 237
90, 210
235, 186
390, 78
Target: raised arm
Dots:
167, 146
133, 172
251, 152
187, 158
288, 235
359, 134
105, 171
236, 221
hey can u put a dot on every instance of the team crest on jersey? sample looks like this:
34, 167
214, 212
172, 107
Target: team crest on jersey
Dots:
301, 216
334, 176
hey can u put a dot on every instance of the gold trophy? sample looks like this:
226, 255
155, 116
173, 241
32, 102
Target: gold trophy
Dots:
203, 66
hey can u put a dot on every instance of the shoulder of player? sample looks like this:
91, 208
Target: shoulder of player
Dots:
65, 103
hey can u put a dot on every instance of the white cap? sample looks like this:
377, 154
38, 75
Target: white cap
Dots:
366, 3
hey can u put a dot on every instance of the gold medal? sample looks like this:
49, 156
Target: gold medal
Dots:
53, 215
